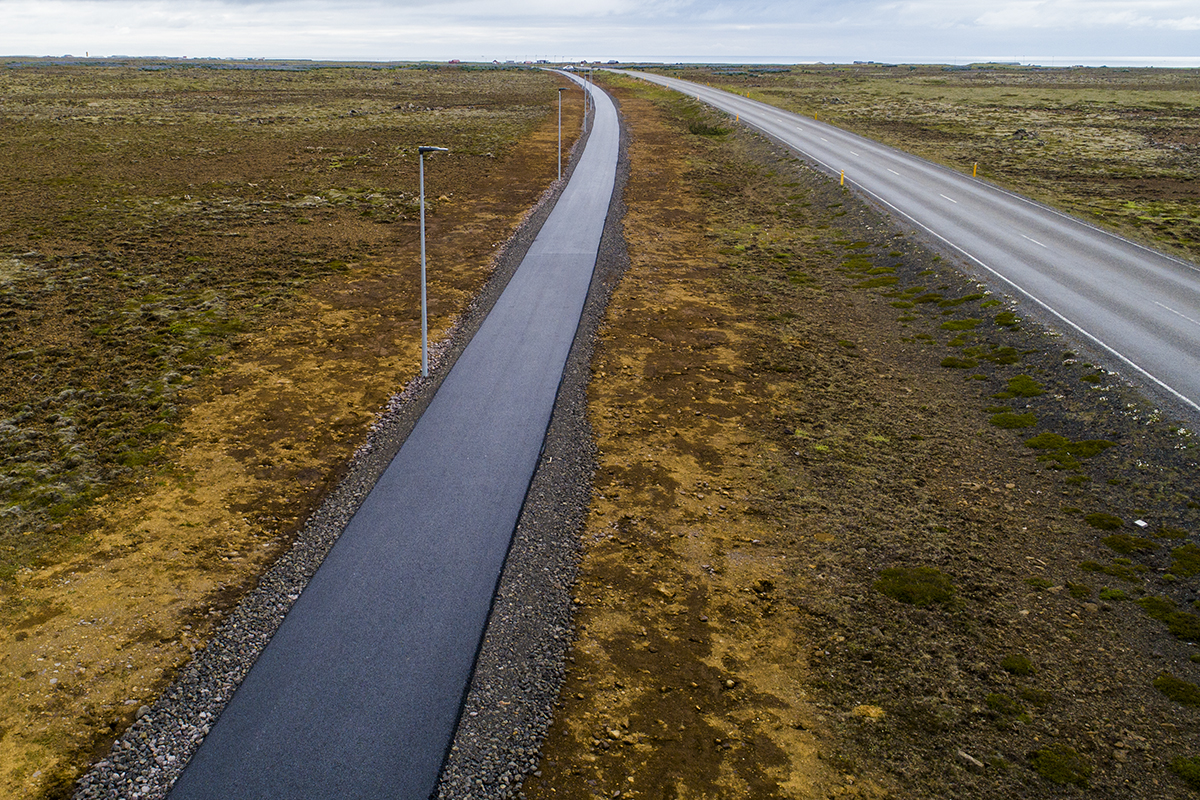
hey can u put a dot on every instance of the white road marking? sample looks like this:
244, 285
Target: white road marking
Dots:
1119, 355
1176, 313
1035, 241
855, 154
1179, 395
889, 169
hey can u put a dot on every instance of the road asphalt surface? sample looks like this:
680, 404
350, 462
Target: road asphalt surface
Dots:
358, 693
1142, 308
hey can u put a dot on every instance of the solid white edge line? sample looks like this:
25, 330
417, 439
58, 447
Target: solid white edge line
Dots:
1178, 395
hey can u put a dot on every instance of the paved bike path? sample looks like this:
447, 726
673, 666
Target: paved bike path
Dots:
358, 693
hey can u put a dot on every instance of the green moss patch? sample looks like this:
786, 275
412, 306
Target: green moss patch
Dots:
1011, 420
954, 362
1125, 544
1182, 624
958, 301
1179, 690
1061, 764
961, 324
918, 586
1170, 533
1103, 521
1021, 386
875, 283
1122, 568
1004, 705
1186, 561
1017, 664
1001, 356
1080, 591
1188, 769
1062, 453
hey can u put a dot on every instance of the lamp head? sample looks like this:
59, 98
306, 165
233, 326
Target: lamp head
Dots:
423, 149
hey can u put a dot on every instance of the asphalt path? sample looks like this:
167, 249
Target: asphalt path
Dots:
1139, 306
358, 693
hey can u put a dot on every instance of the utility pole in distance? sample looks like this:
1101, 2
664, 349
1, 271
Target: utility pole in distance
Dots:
421, 151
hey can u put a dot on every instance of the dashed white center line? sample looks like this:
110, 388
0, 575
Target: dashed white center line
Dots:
951, 199
889, 169
855, 154
1035, 241
823, 139
1176, 313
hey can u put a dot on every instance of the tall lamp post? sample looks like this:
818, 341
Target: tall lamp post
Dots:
561, 89
421, 151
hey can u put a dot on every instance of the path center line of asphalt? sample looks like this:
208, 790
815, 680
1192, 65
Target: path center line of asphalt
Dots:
358, 692
1176, 313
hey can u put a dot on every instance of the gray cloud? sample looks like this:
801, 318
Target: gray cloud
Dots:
732, 30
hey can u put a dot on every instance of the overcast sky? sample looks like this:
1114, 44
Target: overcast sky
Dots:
1059, 32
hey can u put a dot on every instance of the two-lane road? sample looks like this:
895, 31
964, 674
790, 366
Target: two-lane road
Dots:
1139, 306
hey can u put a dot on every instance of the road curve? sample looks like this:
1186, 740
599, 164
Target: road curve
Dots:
1139, 306
358, 693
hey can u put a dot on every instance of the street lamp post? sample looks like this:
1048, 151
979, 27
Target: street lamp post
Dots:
561, 89
421, 151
